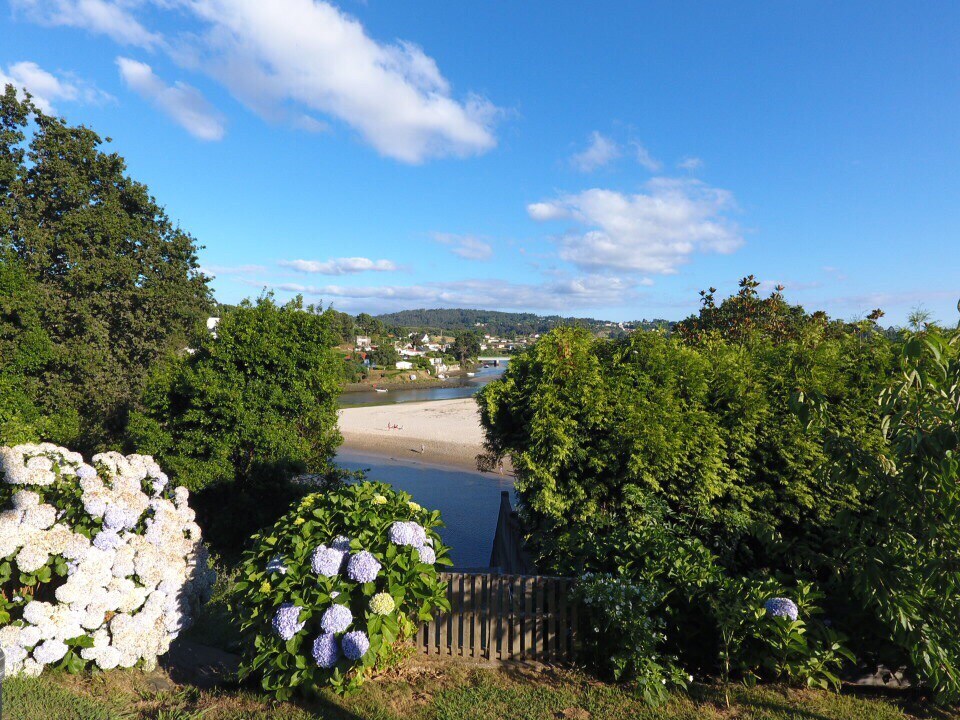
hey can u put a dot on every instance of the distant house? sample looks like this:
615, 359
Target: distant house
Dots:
212, 323
363, 343
404, 365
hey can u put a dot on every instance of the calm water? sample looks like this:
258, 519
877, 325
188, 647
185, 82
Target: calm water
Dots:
456, 388
468, 501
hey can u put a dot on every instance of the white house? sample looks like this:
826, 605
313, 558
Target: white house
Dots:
404, 365
363, 343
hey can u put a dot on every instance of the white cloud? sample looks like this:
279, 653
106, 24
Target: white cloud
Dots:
600, 152
311, 54
645, 158
113, 19
561, 294
288, 58
47, 88
651, 232
339, 266
465, 246
690, 163
181, 102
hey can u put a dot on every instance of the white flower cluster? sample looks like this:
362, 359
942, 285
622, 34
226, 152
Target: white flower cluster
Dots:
136, 568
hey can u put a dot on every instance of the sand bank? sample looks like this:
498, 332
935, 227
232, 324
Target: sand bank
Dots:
442, 432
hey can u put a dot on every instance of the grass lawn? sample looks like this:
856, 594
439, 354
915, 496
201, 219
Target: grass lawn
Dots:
430, 691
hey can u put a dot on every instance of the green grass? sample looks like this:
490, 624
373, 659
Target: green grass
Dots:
433, 691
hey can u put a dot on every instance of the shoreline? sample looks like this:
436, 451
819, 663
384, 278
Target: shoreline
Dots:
437, 432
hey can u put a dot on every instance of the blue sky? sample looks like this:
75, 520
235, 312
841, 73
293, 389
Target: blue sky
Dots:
605, 158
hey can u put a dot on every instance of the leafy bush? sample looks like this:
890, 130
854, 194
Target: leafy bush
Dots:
325, 594
99, 563
895, 554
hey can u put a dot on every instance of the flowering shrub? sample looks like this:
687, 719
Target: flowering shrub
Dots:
99, 563
325, 593
764, 634
624, 635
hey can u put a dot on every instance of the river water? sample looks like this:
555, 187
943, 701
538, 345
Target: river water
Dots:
455, 388
469, 502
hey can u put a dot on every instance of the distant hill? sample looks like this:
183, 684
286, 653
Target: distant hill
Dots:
495, 322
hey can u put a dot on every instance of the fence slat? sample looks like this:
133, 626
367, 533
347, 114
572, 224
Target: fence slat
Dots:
516, 624
549, 616
527, 591
564, 635
540, 625
460, 619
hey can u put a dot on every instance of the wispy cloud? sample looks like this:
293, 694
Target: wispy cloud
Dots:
111, 18
184, 104
651, 232
690, 163
46, 88
600, 152
559, 294
465, 246
645, 159
218, 270
339, 266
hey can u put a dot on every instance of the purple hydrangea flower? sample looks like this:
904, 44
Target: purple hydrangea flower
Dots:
363, 567
427, 555
782, 607
336, 619
286, 623
355, 644
341, 543
276, 565
326, 561
407, 533
325, 650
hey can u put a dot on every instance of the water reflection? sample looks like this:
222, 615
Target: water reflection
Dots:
468, 501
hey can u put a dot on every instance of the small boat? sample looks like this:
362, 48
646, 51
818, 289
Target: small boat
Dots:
381, 389
471, 374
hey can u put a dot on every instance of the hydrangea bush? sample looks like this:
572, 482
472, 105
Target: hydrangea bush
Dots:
99, 563
624, 636
327, 592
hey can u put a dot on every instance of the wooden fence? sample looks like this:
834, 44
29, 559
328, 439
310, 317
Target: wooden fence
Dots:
503, 618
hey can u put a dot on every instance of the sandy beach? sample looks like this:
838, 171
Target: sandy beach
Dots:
443, 432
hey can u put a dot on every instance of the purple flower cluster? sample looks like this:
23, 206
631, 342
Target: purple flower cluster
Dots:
427, 555
341, 543
355, 644
336, 619
363, 567
782, 607
325, 650
327, 561
286, 623
407, 533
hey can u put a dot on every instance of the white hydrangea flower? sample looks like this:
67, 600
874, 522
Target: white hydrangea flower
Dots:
132, 589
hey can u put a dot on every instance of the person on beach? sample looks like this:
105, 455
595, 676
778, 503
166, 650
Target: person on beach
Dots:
422, 448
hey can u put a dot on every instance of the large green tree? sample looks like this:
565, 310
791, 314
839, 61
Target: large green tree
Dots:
113, 283
243, 412
256, 398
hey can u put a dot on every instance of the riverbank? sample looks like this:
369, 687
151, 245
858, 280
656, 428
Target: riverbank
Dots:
440, 432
